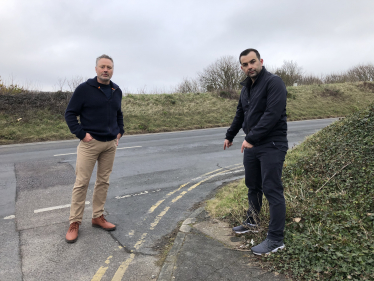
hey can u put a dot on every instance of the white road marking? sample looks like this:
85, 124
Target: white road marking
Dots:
130, 195
76, 153
137, 194
9, 217
55, 208
127, 147
65, 154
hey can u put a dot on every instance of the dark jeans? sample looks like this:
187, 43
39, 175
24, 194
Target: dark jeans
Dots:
263, 170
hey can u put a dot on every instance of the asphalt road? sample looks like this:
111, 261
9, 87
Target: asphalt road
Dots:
156, 181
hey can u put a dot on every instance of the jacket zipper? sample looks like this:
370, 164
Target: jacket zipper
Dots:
108, 115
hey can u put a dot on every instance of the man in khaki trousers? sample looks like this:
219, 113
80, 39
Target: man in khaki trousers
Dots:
97, 102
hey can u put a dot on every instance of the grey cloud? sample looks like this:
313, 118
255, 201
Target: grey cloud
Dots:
158, 43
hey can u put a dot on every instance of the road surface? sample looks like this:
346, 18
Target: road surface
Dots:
156, 181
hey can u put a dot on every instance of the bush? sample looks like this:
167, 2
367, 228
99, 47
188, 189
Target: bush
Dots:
309, 80
224, 74
329, 189
290, 73
21, 102
337, 78
355, 74
361, 73
188, 86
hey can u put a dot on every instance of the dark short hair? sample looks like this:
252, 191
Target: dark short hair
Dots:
104, 57
247, 51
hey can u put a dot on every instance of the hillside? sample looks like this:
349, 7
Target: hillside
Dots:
32, 117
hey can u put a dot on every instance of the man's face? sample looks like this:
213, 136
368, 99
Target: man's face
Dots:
104, 71
251, 65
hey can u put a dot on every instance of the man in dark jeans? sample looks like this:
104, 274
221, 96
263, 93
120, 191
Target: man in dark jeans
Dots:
261, 113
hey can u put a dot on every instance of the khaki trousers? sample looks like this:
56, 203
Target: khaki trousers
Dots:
87, 155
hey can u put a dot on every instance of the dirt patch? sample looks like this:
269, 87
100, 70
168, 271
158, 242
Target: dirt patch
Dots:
331, 93
196, 206
229, 94
366, 86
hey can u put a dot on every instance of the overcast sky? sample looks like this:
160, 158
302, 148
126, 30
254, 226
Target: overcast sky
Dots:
155, 44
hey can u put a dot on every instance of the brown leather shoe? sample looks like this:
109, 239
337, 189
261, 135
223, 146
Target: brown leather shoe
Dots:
72, 234
103, 223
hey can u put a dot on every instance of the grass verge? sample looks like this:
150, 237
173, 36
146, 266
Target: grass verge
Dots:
329, 190
34, 125
171, 112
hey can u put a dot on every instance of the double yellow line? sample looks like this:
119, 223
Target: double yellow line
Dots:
123, 267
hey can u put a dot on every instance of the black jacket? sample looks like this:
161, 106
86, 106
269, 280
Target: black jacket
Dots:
261, 111
98, 115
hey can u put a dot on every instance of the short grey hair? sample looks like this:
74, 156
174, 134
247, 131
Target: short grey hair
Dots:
104, 57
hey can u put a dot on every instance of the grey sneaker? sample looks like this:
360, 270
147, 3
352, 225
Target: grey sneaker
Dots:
267, 246
245, 227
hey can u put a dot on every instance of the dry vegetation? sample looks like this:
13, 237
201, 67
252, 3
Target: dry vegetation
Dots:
170, 112
225, 74
210, 100
327, 100
29, 117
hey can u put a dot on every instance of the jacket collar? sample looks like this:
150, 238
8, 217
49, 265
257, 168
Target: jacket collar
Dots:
248, 81
93, 82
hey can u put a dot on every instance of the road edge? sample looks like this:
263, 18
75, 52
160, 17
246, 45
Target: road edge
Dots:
166, 272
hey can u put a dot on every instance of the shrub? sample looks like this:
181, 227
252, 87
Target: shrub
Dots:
329, 187
188, 86
21, 102
290, 72
361, 73
309, 80
224, 74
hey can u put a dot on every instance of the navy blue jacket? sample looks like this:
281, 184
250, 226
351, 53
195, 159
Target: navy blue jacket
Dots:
261, 111
99, 116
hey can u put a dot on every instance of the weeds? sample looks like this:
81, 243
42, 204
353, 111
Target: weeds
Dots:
10, 89
328, 182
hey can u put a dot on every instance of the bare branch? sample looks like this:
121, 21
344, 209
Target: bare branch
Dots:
188, 86
224, 74
74, 82
290, 72
60, 84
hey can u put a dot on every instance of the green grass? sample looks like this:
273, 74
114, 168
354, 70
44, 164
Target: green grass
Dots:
329, 186
171, 112
38, 125
322, 101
